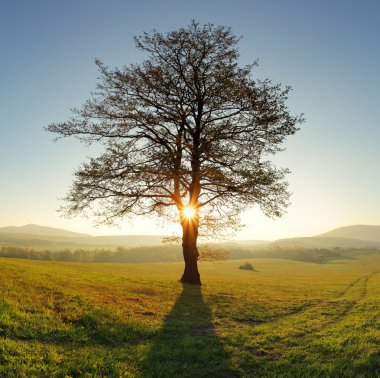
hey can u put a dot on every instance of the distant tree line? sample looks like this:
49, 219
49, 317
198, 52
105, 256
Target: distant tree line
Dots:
121, 254
173, 253
164, 253
313, 255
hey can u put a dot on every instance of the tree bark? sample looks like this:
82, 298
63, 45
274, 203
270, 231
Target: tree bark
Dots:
190, 252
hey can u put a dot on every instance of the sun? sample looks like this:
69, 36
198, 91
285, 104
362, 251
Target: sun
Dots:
189, 212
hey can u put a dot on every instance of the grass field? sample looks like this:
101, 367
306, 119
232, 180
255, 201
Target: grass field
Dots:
287, 319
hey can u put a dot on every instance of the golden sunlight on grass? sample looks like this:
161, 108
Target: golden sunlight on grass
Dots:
189, 212
286, 319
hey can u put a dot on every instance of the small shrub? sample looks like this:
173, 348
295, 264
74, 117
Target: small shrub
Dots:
247, 266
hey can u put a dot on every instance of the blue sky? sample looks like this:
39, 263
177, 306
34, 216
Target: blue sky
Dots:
326, 50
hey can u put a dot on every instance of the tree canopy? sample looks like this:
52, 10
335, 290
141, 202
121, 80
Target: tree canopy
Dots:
186, 127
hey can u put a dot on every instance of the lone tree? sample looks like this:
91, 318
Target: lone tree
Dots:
185, 132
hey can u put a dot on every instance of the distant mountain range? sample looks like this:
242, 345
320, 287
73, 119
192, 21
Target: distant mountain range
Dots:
39, 237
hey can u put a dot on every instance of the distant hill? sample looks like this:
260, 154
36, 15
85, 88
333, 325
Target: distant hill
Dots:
359, 232
35, 230
242, 243
355, 236
41, 237
35, 242
122, 240
326, 242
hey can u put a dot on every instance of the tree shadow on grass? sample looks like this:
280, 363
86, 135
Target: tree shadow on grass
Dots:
188, 345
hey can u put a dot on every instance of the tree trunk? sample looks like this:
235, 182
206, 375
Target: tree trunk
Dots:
190, 251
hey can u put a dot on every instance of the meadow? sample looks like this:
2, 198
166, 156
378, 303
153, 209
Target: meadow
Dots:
286, 319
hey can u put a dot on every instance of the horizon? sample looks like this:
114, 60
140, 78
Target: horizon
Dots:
323, 50
232, 239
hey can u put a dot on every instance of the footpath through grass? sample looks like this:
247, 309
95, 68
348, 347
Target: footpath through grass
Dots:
287, 319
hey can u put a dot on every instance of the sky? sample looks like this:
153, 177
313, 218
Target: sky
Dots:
327, 50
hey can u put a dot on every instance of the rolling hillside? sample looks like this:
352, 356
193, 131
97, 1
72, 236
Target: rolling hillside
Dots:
358, 232
36, 230
326, 242
40, 237
286, 319
355, 236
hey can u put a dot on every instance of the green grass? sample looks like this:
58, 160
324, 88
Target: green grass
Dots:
287, 319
